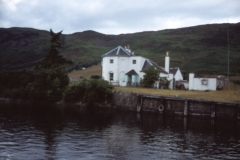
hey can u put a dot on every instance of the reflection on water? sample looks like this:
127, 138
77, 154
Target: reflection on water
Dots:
52, 134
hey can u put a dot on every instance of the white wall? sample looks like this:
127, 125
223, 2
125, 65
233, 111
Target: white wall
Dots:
163, 75
186, 85
178, 76
108, 67
197, 83
120, 67
170, 78
191, 77
122, 70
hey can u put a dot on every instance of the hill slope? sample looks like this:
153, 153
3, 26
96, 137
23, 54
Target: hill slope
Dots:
200, 49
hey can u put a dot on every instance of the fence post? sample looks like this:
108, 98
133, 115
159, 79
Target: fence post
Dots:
185, 113
238, 114
213, 111
140, 103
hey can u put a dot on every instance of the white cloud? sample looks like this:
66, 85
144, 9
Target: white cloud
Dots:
173, 23
11, 4
116, 17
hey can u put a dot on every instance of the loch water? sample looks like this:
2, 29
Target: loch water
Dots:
39, 133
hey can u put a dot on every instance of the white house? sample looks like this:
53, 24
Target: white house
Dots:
121, 67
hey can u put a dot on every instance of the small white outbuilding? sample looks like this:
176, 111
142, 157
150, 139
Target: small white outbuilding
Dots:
202, 84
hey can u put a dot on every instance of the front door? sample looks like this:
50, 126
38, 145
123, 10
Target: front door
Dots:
129, 83
122, 79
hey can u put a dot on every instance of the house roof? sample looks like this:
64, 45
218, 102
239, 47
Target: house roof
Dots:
173, 71
118, 51
132, 72
146, 65
149, 63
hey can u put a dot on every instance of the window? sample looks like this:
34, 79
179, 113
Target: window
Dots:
134, 61
111, 60
111, 76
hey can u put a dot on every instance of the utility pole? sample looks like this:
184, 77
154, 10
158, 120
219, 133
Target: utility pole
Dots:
228, 49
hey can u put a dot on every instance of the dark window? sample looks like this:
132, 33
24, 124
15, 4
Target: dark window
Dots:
111, 60
134, 61
111, 76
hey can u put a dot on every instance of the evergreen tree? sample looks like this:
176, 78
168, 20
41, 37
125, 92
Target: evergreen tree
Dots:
50, 75
52, 58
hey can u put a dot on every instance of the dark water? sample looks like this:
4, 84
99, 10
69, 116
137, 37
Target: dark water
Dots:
53, 134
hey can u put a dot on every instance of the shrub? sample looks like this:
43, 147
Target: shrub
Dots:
151, 75
164, 82
48, 85
91, 92
98, 92
75, 93
95, 77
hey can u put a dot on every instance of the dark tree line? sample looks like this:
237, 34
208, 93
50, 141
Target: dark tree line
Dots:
46, 82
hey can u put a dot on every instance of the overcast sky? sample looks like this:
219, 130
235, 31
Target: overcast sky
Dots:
116, 16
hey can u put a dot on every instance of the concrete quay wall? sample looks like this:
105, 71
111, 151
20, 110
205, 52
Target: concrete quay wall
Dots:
174, 105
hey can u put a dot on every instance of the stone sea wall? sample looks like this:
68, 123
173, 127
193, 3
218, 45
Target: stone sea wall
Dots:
174, 105
157, 103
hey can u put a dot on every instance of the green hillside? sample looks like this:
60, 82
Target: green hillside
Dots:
199, 49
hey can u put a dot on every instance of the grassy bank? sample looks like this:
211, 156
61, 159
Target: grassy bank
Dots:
229, 94
87, 73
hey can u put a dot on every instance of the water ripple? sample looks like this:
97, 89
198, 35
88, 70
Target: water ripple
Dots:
115, 136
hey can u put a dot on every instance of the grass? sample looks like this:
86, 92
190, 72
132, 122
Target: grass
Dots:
235, 78
87, 73
229, 94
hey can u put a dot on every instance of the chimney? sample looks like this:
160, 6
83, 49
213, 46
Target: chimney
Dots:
167, 62
128, 49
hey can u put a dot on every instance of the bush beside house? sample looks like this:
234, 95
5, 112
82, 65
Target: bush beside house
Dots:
91, 92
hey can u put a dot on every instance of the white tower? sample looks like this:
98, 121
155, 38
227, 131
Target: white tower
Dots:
167, 63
